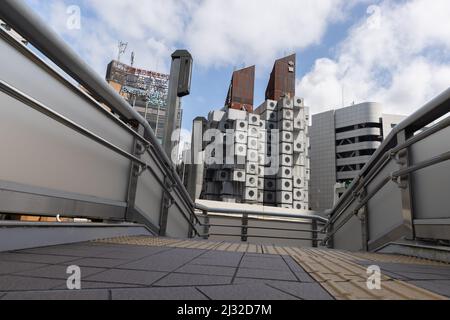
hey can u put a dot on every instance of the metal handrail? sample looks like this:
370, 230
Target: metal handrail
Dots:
256, 212
246, 213
393, 177
263, 228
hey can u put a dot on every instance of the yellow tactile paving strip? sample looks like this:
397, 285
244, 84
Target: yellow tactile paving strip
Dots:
337, 271
346, 280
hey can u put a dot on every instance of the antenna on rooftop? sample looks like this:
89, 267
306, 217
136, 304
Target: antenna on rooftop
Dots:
132, 58
122, 49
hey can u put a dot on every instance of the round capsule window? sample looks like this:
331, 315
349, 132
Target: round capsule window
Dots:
242, 125
252, 193
287, 197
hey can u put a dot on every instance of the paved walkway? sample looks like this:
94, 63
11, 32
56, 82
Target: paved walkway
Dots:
152, 268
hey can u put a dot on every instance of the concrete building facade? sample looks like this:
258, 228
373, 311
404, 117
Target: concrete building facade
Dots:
342, 142
268, 147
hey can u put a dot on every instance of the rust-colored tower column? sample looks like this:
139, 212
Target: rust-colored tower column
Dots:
242, 90
282, 79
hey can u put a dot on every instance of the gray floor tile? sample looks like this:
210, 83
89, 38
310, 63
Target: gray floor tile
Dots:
88, 252
266, 274
267, 264
223, 255
144, 278
35, 258
59, 295
166, 264
16, 283
207, 270
180, 279
216, 262
165, 261
421, 276
245, 292
100, 285
98, 262
439, 287
395, 276
174, 293
132, 253
7, 267
305, 291
58, 272
396, 267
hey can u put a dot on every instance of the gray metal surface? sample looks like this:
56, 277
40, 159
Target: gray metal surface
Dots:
33, 235
70, 155
406, 180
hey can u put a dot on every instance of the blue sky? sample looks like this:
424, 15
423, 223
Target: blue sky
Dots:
393, 52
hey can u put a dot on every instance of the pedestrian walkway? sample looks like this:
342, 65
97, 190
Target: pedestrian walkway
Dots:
162, 268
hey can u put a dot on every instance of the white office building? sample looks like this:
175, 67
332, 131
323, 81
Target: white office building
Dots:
342, 142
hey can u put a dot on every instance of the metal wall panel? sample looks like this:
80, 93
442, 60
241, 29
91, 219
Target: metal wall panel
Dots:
430, 185
349, 236
37, 151
177, 226
385, 208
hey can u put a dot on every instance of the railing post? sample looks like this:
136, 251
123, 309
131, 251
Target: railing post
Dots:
405, 186
206, 227
315, 234
364, 217
330, 242
134, 176
244, 233
166, 203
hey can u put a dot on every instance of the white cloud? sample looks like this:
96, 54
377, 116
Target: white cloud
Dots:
257, 31
399, 55
216, 32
